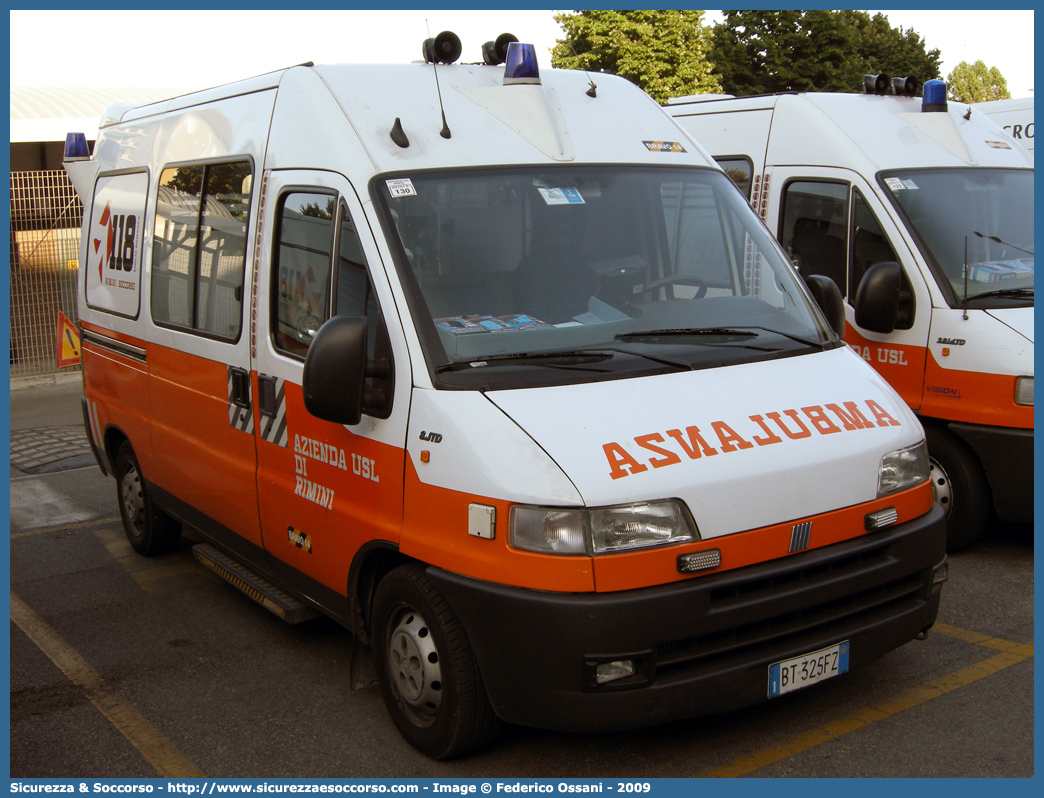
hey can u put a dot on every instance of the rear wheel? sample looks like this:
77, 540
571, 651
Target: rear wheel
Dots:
960, 487
428, 675
149, 530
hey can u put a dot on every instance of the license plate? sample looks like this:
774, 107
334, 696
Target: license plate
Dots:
797, 672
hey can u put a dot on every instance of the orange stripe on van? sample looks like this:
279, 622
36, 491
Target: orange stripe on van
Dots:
320, 502
973, 397
659, 566
117, 386
116, 336
435, 530
198, 456
902, 365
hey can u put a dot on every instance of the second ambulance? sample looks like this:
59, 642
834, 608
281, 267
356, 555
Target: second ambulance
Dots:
921, 211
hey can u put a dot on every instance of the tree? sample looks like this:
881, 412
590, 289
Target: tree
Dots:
663, 52
976, 83
759, 52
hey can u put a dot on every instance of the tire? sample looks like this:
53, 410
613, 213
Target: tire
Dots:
426, 669
150, 530
960, 486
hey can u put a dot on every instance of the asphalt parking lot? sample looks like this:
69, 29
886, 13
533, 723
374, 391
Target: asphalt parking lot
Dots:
127, 667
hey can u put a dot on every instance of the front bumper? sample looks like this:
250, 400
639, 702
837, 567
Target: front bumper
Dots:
703, 645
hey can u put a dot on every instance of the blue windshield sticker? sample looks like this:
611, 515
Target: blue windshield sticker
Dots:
561, 196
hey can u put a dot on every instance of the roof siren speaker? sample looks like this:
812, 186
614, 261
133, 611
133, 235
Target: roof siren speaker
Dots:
494, 53
906, 87
876, 84
443, 49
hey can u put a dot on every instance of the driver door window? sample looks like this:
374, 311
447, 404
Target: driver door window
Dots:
304, 247
869, 243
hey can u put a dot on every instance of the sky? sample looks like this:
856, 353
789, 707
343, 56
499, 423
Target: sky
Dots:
102, 49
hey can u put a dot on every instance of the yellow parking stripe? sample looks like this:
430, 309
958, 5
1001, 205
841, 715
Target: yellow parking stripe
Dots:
65, 527
157, 749
1011, 654
967, 636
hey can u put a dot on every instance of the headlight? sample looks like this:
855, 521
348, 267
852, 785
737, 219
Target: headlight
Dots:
902, 469
1024, 391
601, 530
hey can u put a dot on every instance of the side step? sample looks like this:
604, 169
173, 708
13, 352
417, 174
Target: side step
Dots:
246, 581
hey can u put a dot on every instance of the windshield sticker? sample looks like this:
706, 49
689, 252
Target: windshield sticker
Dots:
561, 196
999, 145
898, 184
467, 325
663, 146
401, 187
995, 271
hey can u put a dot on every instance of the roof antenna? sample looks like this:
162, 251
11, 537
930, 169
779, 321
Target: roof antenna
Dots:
964, 301
593, 91
444, 48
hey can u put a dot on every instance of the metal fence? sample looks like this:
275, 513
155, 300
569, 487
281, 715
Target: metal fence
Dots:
45, 246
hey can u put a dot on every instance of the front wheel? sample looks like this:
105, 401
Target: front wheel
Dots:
149, 530
960, 487
427, 672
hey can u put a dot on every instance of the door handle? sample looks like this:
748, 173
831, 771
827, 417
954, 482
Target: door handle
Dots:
240, 393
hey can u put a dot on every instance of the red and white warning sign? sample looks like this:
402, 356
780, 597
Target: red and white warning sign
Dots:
68, 353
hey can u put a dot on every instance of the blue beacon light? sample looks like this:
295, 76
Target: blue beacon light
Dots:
520, 66
933, 96
76, 146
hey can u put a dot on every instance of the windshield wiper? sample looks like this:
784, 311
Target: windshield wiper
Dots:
1009, 292
1002, 242
726, 332
572, 359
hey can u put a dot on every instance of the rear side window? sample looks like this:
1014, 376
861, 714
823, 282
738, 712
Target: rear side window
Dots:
199, 248
740, 170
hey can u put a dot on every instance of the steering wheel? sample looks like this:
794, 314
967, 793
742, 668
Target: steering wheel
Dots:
678, 279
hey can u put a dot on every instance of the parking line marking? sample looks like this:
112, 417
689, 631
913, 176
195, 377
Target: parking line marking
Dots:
157, 750
146, 571
65, 527
147, 579
979, 639
1010, 654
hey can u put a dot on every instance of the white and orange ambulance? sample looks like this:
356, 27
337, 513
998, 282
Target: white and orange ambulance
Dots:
921, 211
496, 368
1014, 115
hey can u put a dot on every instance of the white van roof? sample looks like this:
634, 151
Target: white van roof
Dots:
871, 132
489, 123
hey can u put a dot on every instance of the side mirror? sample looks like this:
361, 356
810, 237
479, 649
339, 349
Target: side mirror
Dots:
877, 299
828, 297
335, 370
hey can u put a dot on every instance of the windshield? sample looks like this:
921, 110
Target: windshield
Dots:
987, 213
531, 276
